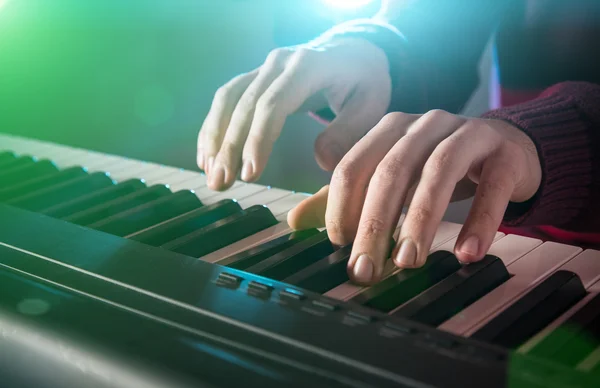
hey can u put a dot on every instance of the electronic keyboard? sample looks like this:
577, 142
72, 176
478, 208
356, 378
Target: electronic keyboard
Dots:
121, 273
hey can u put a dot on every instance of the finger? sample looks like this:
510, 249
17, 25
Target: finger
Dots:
216, 122
496, 185
446, 166
228, 159
388, 191
310, 213
359, 114
302, 78
352, 175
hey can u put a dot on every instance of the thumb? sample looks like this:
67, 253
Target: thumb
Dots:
310, 213
359, 114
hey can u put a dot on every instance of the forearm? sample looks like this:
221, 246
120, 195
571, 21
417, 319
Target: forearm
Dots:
564, 124
433, 48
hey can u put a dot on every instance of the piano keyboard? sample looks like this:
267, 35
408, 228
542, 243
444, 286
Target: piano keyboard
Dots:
532, 298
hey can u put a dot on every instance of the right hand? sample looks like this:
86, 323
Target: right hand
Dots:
247, 114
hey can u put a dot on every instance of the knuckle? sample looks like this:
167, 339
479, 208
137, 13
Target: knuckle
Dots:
229, 150
268, 101
339, 232
372, 227
420, 214
303, 53
437, 114
393, 118
439, 162
276, 56
493, 188
393, 169
222, 94
346, 174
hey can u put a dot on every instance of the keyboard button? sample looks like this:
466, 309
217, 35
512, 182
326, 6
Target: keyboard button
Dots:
229, 280
253, 256
21, 174
223, 232
187, 223
32, 185
149, 214
408, 283
289, 261
94, 199
119, 205
364, 317
259, 290
291, 295
323, 305
57, 194
324, 274
575, 338
456, 292
533, 311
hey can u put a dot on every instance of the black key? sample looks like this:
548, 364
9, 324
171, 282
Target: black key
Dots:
108, 209
408, 283
325, 274
223, 232
6, 157
257, 254
575, 338
197, 219
17, 162
94, 199
149, 214
291, 260
534, 311
21, 174
66, 191
33, 185
456, 292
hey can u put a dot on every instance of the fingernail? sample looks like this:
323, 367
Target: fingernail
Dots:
217, 175
248, 170
407, 254
363, 269
209, 164
470, 246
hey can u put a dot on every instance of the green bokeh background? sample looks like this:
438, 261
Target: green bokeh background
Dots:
136, 77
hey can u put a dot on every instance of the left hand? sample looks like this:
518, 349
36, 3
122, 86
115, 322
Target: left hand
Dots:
423, 162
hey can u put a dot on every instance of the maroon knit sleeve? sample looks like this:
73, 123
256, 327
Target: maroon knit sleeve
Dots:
564, 124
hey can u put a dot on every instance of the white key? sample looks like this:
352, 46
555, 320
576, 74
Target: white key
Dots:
193, 181
268, 234
508, 249
528, 271
264, 197
178, 176
238, 193
281, 207
205, 193
587, 266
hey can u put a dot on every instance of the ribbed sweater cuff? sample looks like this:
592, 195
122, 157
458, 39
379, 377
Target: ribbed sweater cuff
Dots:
561, 137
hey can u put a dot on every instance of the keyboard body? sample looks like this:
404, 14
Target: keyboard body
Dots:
83, 307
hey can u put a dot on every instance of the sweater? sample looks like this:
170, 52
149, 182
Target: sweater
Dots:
549, 72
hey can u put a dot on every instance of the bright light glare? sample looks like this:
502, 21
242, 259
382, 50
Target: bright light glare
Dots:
348, 4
